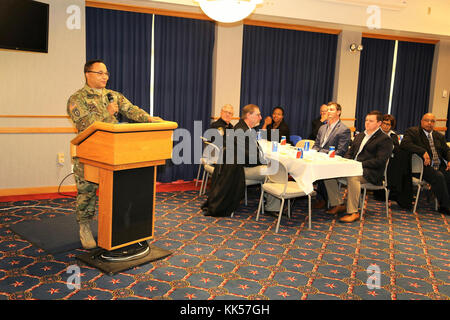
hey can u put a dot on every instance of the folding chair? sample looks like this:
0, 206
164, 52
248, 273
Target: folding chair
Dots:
370, 186
279, 186
417, 168
210, 157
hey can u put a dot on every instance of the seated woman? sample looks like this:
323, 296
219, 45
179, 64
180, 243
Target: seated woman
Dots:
388, 126
276, 122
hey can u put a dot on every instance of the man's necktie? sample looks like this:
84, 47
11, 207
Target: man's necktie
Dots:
325, 138
435, 159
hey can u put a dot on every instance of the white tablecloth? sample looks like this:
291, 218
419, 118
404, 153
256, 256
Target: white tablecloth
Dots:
314, 165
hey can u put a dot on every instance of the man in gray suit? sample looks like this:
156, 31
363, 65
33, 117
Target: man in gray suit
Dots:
334, 133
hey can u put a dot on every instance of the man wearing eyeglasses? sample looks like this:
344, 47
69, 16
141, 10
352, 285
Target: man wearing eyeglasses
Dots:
93, 103
224, 122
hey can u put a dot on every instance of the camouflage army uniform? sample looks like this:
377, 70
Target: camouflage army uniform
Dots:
86, 106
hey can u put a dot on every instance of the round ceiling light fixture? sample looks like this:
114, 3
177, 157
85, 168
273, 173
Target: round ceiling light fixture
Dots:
228, 11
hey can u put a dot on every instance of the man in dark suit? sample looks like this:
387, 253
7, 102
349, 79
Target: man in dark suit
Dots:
224, 122
372, 148
333, 133
241, 157
431, 146
255, 167
246, 146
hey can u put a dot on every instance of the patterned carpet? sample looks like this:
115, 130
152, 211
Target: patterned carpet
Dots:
239, 258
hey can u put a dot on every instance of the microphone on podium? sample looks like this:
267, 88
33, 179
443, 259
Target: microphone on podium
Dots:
111, 99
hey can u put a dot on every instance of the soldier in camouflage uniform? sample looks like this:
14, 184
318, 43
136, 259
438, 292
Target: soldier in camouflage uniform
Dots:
86, 106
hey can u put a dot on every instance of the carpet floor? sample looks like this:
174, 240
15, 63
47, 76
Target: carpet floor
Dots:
401, 257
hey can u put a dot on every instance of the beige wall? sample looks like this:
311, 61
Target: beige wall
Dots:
40, 84
440, 81
227, 67
346, 75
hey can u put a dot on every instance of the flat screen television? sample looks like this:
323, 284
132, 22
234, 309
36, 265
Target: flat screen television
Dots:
24, 25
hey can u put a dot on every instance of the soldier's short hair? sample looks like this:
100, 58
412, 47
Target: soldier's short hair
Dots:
88, 65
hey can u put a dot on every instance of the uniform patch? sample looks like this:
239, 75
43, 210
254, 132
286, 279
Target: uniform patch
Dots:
76, 112
92, 108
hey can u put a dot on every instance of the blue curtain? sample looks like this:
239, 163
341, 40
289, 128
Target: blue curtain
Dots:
375, 70
123, 40
412, 83
288, 68
183, 81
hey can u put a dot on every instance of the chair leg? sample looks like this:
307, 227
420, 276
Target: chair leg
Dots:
203, 181
386, 191
245, 196
362, 203
198, 173
417, 198
260, 185
289, 208
279, 215
261, 200
309, 211
206, 183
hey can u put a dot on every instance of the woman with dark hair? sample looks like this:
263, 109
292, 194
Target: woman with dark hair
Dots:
388, 126
276, 122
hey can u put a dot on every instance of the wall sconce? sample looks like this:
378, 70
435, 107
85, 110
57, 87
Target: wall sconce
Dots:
356, 47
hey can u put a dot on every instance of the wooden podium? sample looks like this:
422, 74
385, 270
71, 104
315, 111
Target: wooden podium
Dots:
122, 160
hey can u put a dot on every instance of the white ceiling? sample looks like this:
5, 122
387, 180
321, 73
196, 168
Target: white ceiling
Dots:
416, 18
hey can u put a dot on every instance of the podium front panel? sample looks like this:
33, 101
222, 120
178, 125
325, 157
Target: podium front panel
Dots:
132, 205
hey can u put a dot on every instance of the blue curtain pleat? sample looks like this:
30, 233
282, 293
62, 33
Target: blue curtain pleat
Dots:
123, 40
375, 70
288, 68
411, 94
183, 82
